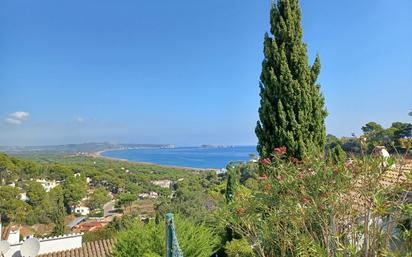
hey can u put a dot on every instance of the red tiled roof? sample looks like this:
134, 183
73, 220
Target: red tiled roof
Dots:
101, 248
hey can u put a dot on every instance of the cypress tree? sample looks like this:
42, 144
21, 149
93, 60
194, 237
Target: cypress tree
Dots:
337, 155
292, 111
232, 183
59, 213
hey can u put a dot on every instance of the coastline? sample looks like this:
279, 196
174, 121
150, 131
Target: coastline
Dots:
99, 154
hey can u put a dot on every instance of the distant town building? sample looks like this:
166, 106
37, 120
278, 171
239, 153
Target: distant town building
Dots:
221, 172
12, 184
162, 183
381, 151
24, 197
82, 210
47, 185
151, 195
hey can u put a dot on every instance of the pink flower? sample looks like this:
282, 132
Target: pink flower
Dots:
266, 162
293, 159
280, 150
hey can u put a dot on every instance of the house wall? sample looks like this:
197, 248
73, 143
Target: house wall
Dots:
51, 244
14, 236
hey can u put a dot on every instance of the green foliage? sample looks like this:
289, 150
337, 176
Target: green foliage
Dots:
401, 130
331, 142
336, 155
191, 198
351, 145
111, 230
312, 208
8, 170
292, 111
391, 137
372, 127
121, 224
394, 139
105, 233
126, 198
35, 193
12, 209
232, 183
239, 248
74, 190
108, 175
98, 198
59, 212
149, 240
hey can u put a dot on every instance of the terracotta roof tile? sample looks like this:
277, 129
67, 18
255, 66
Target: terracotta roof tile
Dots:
102, 248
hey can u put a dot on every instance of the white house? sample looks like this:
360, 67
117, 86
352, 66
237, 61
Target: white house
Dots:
65, 245
82, 210
151, 195
162, 183
221, 171
143, 195
24, 197
47, 185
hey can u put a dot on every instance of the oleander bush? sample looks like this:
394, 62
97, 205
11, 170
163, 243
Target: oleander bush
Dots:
311, 207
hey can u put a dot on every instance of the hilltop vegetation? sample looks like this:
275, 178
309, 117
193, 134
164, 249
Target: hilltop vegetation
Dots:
396, 139
74, 149
19, 177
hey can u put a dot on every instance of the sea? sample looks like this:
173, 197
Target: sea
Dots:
194, 157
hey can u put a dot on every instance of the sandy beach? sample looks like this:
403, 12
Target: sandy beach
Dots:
99, 154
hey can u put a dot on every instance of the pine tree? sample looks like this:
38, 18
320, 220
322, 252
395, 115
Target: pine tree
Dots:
292, 111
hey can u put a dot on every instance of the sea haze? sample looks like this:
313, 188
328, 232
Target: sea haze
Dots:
195, 157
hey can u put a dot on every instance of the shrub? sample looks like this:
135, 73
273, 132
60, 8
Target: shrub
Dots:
239, 248
313, 208
149, 239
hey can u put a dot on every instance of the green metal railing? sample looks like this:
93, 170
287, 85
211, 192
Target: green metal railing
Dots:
172, 245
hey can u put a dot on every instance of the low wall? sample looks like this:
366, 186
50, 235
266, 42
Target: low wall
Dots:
50, 244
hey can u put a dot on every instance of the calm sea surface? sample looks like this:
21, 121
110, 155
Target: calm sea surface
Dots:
196, 157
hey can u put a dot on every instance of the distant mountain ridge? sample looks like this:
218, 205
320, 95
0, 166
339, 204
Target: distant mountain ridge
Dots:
84, 148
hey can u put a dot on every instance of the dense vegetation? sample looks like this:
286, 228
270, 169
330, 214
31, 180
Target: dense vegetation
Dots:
19, 176
312, 208
396, 139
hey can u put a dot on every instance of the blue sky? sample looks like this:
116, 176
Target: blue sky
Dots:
186, 72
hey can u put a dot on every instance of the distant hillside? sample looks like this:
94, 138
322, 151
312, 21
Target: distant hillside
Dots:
78, 149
